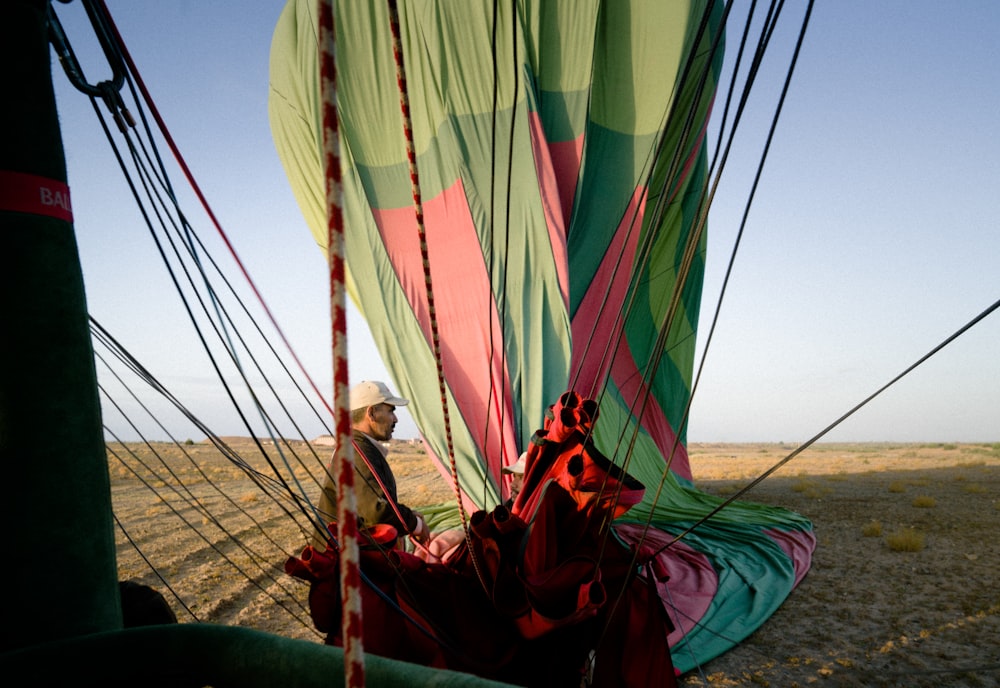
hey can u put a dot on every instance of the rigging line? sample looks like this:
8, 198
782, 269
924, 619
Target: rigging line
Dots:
500, 303
123, 355
703, 205
205, 205
492, 228
689, 253
660, 349
732, 81
141, 372
691, 248
264, 338
264, 482
258, 478
225, 336
156, 572
198, 329
788, 77
132, 364
249, 388
349, 562
191, 241
254, 557
707, 201
505, 267
189, 233
190, 497
222, 316
223, 332
645, 253
397, 50
732, 87
167, 264
716, 44
252, 474
653, 154
262, 562
192, 500
692, 243
491, 397
808, 443
261, 480
568, 221
662, 203
660, 344
492, 232
708, 196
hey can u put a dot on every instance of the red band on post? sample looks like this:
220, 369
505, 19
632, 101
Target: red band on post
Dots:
29, 193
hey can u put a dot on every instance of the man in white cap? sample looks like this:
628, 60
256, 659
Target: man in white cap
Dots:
373, 418
516, 472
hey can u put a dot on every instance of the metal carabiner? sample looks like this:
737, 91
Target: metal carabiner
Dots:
110, 90
57, 37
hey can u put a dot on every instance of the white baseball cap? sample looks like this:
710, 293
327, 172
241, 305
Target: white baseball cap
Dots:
368, 393
518, 466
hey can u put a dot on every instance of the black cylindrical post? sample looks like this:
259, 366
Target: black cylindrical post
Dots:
59, 571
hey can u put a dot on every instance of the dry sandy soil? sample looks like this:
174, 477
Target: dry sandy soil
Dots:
867, 614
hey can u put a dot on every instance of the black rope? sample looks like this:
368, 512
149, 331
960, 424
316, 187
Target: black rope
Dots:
815, 438
214, 545
260, 479
770, 20
156, 572
158, 202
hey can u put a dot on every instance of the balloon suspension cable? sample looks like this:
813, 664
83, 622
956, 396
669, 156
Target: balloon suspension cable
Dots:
196, 189
706, 201
822, 433
691, 248
125, 71
688, 133
404, 104
502, 301
347, 512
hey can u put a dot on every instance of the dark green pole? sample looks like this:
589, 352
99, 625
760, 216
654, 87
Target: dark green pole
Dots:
59, 573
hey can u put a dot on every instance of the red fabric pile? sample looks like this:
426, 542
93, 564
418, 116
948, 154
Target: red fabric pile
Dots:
542, 594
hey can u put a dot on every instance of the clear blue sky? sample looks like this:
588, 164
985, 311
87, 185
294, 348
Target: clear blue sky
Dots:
873, 235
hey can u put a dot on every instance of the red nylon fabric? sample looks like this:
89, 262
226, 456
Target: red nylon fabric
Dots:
557, 586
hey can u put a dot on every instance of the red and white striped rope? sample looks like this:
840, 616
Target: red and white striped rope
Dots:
347, 516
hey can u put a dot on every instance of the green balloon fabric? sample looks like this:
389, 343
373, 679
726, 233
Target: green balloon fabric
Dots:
561, 163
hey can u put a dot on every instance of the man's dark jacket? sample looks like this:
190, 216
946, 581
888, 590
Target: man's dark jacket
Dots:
373, 504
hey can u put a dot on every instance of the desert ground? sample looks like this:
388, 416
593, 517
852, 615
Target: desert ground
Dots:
903, 590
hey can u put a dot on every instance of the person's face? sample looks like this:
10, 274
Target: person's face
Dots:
515, 484
382, 421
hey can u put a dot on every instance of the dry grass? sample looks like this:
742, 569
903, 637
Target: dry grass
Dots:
866, 614
906, 540
897, 595
873, 529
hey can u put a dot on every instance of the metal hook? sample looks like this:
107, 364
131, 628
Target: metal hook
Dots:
109, 91
57, 37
